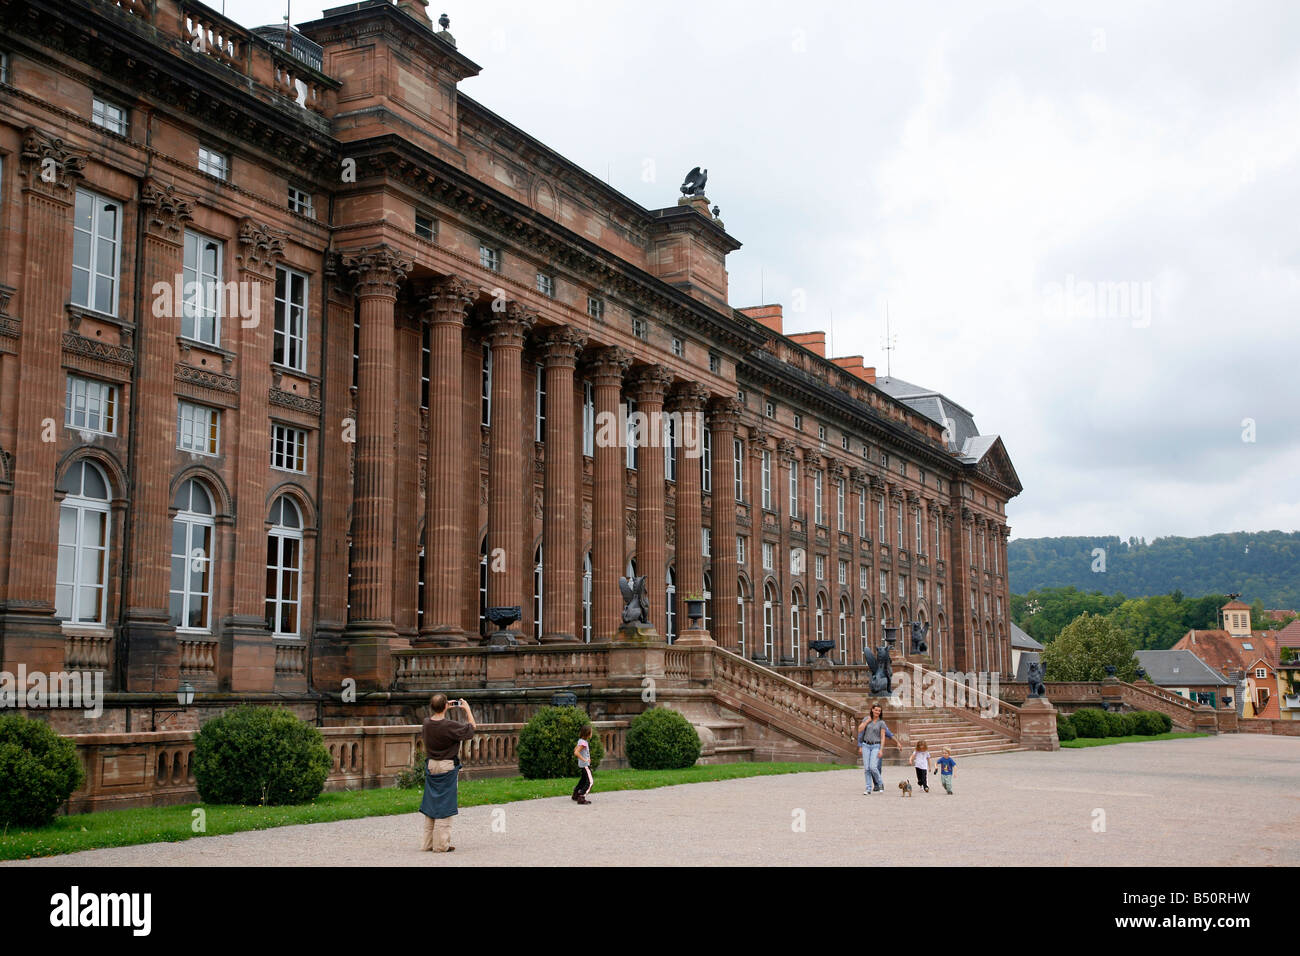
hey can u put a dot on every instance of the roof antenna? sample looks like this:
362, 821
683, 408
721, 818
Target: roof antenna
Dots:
762, 289
891, 343
832, 325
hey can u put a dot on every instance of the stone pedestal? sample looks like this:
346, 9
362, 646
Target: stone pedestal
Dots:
638, 634
821, 674
695, 637
1038, 725
503, 639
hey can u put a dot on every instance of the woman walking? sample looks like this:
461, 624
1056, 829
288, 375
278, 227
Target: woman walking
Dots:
871, 741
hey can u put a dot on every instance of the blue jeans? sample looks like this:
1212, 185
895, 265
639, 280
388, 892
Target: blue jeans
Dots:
871, 766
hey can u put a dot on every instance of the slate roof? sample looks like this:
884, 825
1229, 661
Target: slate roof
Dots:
1176, 668
1023, 642
936, 407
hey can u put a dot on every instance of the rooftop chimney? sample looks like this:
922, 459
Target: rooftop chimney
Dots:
813, 341
853, 364
768, 316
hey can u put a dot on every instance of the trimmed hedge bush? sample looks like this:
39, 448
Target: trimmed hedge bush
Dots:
1115, 725
546, 743
38, 771
1089, 722
259, 756
662, 739
1064, 728
1152, 722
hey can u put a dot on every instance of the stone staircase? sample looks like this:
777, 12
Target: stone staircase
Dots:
947, 728
723, 741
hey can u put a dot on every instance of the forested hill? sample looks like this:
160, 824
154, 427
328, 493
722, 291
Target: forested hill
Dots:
1261, 565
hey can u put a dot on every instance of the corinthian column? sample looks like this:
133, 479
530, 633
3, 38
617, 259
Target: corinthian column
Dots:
560, 515
649, 384
606, 373
724, 417
49, 173
688, 400
378, 271
506, 331
444, 577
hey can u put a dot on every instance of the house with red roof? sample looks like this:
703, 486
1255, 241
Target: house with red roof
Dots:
1240, 654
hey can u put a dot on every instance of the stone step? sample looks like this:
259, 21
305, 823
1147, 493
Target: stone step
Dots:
731, 753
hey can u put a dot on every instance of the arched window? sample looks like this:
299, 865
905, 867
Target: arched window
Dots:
191, 586
741, 596
796, 601
283, 568
821, 618
864, 626
844, 630
586, 597
769, 622
81, 584
537, 595
708, 602
482, 587
670, 603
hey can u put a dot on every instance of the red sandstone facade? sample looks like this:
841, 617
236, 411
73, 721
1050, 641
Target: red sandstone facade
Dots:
406, 428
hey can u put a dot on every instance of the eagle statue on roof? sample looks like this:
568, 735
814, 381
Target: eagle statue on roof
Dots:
695, 180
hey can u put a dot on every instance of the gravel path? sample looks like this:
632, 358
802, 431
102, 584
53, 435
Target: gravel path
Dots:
1228, 800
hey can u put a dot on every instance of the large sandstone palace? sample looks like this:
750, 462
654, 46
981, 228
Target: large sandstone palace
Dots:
307, 359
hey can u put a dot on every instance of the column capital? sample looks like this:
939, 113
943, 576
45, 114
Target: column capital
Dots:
608, 365
967, 516
947, 517
913, 499
167, 212
258, 246
724, 413
448, 300
834, 467
377, 270
688, 396
758, 436
650, 383
786, 449
511, 326
561, 345
49, 166
858, 476
877, 484
811, 458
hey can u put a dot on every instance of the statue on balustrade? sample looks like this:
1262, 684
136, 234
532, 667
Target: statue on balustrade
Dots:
882, 671
637, 609
919, 631
1035, 677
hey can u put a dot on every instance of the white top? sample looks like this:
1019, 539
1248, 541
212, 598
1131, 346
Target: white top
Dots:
921, 758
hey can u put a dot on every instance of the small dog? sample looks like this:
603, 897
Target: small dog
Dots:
906, 787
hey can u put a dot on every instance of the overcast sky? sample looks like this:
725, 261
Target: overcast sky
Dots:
982, 167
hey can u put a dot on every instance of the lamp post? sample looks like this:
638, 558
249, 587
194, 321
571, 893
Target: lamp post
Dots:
184, 697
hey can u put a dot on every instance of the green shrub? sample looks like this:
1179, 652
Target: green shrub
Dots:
662, 739
412, 778
1130, 724
1065, 728
38, 771
546, 743
1152, 722
1115, 725
1089, 722
259, 756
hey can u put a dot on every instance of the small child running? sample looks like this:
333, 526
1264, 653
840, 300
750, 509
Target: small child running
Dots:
582, 750
946, 765
920, 759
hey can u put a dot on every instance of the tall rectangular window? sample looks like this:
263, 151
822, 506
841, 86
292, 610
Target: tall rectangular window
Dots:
426, 362
715, 363
632, 439
596, 308
820, 566
794, 489
546, 285
96, 237
426, 227
738, 461
539, 402
766, 476
588, 419
485, 388
880, 519
706, 462
108, 115
819, 516
489, 258
91, 406
938, 555
706, 542
844, 573
938, 594
884, 583
679, 347
214, 163
201, 308
862, 580
740, 549
198, 429
670, 447
769, 556
640, 328
900, 541
290, 346
862, 514
288, 448
839, 504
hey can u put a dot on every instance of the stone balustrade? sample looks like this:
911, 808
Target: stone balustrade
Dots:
156, 769
87, 651
444, 668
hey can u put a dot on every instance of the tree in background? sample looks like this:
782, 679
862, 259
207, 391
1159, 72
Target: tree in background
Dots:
1084, 648
1152, 623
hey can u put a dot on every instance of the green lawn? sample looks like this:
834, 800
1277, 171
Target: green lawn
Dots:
1136, 738
89, 831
